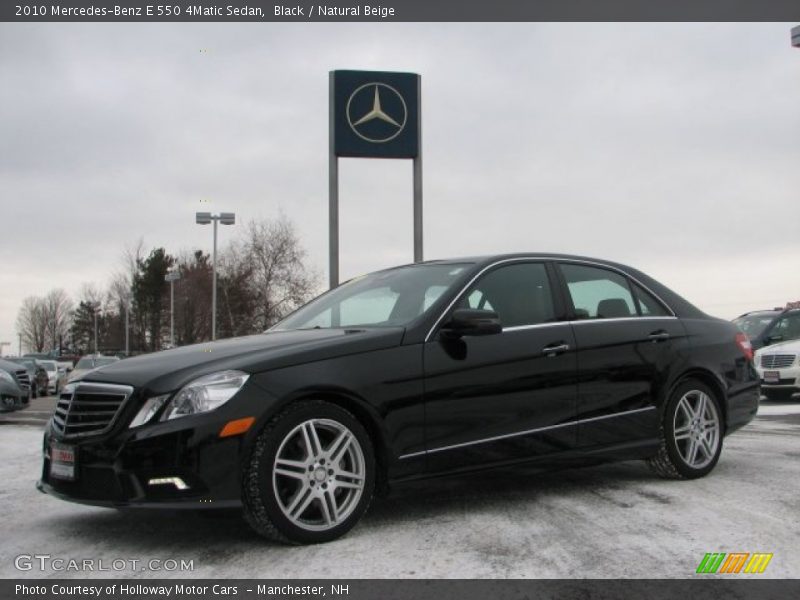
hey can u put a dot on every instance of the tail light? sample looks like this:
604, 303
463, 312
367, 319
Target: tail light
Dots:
744, 345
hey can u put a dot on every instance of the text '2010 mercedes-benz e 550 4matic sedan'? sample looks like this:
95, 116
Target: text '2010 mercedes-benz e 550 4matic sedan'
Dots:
411, 372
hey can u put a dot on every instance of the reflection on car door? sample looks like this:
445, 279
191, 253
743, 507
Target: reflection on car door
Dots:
503, 397
627, 344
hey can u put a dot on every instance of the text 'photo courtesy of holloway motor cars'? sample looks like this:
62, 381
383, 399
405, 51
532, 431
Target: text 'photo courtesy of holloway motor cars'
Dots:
412, 372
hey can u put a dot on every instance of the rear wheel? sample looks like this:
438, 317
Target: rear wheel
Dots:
691, 433
310, 476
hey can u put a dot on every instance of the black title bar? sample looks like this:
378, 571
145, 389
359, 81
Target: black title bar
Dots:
400, 10
740, 588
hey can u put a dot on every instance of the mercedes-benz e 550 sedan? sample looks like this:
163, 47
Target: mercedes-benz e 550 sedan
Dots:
411, 372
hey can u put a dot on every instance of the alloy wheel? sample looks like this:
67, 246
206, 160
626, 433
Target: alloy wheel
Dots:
319, 474
696, 429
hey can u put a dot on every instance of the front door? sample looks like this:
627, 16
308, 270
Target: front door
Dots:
507, 396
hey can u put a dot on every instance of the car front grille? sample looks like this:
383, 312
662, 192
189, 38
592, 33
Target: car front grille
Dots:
23, 379
89, 408
777, 361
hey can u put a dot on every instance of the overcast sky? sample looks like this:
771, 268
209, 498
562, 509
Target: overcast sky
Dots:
672, 147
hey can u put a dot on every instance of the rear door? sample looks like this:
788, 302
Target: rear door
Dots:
628, 345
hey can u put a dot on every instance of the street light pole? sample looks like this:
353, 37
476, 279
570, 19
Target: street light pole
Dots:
20, 343
204, 218
172, 277
214, 286
127, 327
95, 327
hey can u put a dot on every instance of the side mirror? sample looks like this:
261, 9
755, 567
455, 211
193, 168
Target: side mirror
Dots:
472, 321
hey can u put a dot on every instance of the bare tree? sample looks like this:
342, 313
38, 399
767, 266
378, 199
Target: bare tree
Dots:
57, 308
281, 282
32, 323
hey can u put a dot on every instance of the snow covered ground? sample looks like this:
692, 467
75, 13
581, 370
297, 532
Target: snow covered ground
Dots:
609, 521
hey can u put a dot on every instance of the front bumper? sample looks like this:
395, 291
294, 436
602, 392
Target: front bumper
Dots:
117, 472
115, 469
788, 379
12, 397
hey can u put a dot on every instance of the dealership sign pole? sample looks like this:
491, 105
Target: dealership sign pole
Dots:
373, 114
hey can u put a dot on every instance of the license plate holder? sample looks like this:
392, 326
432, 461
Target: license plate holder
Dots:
63, 461
772, 376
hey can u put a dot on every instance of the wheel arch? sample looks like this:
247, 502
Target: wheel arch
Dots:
358, 407
708, 378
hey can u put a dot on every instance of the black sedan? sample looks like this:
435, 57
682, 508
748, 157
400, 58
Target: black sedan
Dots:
412, 372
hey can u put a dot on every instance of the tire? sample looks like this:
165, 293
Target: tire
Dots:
324, 482
694, 451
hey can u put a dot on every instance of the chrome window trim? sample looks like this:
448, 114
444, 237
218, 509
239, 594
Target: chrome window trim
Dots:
580, 321
542, 259
525, 432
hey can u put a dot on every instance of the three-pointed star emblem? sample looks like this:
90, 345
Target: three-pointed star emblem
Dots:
376, 112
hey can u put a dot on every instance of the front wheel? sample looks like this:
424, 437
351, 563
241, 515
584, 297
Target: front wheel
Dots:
310, 476
691, 433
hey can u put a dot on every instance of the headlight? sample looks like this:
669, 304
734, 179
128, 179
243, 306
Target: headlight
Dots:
203, 394
149, 409
6, 377
199, 396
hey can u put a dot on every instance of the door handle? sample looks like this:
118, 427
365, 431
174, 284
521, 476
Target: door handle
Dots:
659, 336
555, 349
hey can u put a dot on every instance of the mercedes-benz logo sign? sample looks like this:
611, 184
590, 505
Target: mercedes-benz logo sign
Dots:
376, 112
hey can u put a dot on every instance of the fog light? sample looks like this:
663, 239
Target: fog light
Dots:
176, 481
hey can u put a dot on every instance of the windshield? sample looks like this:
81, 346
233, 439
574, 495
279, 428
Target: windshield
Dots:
755, 324
49, 365
384, 299
85, 363
101, 362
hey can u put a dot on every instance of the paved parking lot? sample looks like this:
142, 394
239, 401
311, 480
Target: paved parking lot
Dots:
610, 521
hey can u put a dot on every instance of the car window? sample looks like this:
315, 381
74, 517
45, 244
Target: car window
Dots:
648, 305
787, 327
520, 294
384, 299
754, 324
598, 293
367, 308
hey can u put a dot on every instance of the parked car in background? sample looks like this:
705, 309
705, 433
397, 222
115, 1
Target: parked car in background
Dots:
778, 367
57, 376
66, 365
37, 375
89, 363
15, 388
422, 370
766, 327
